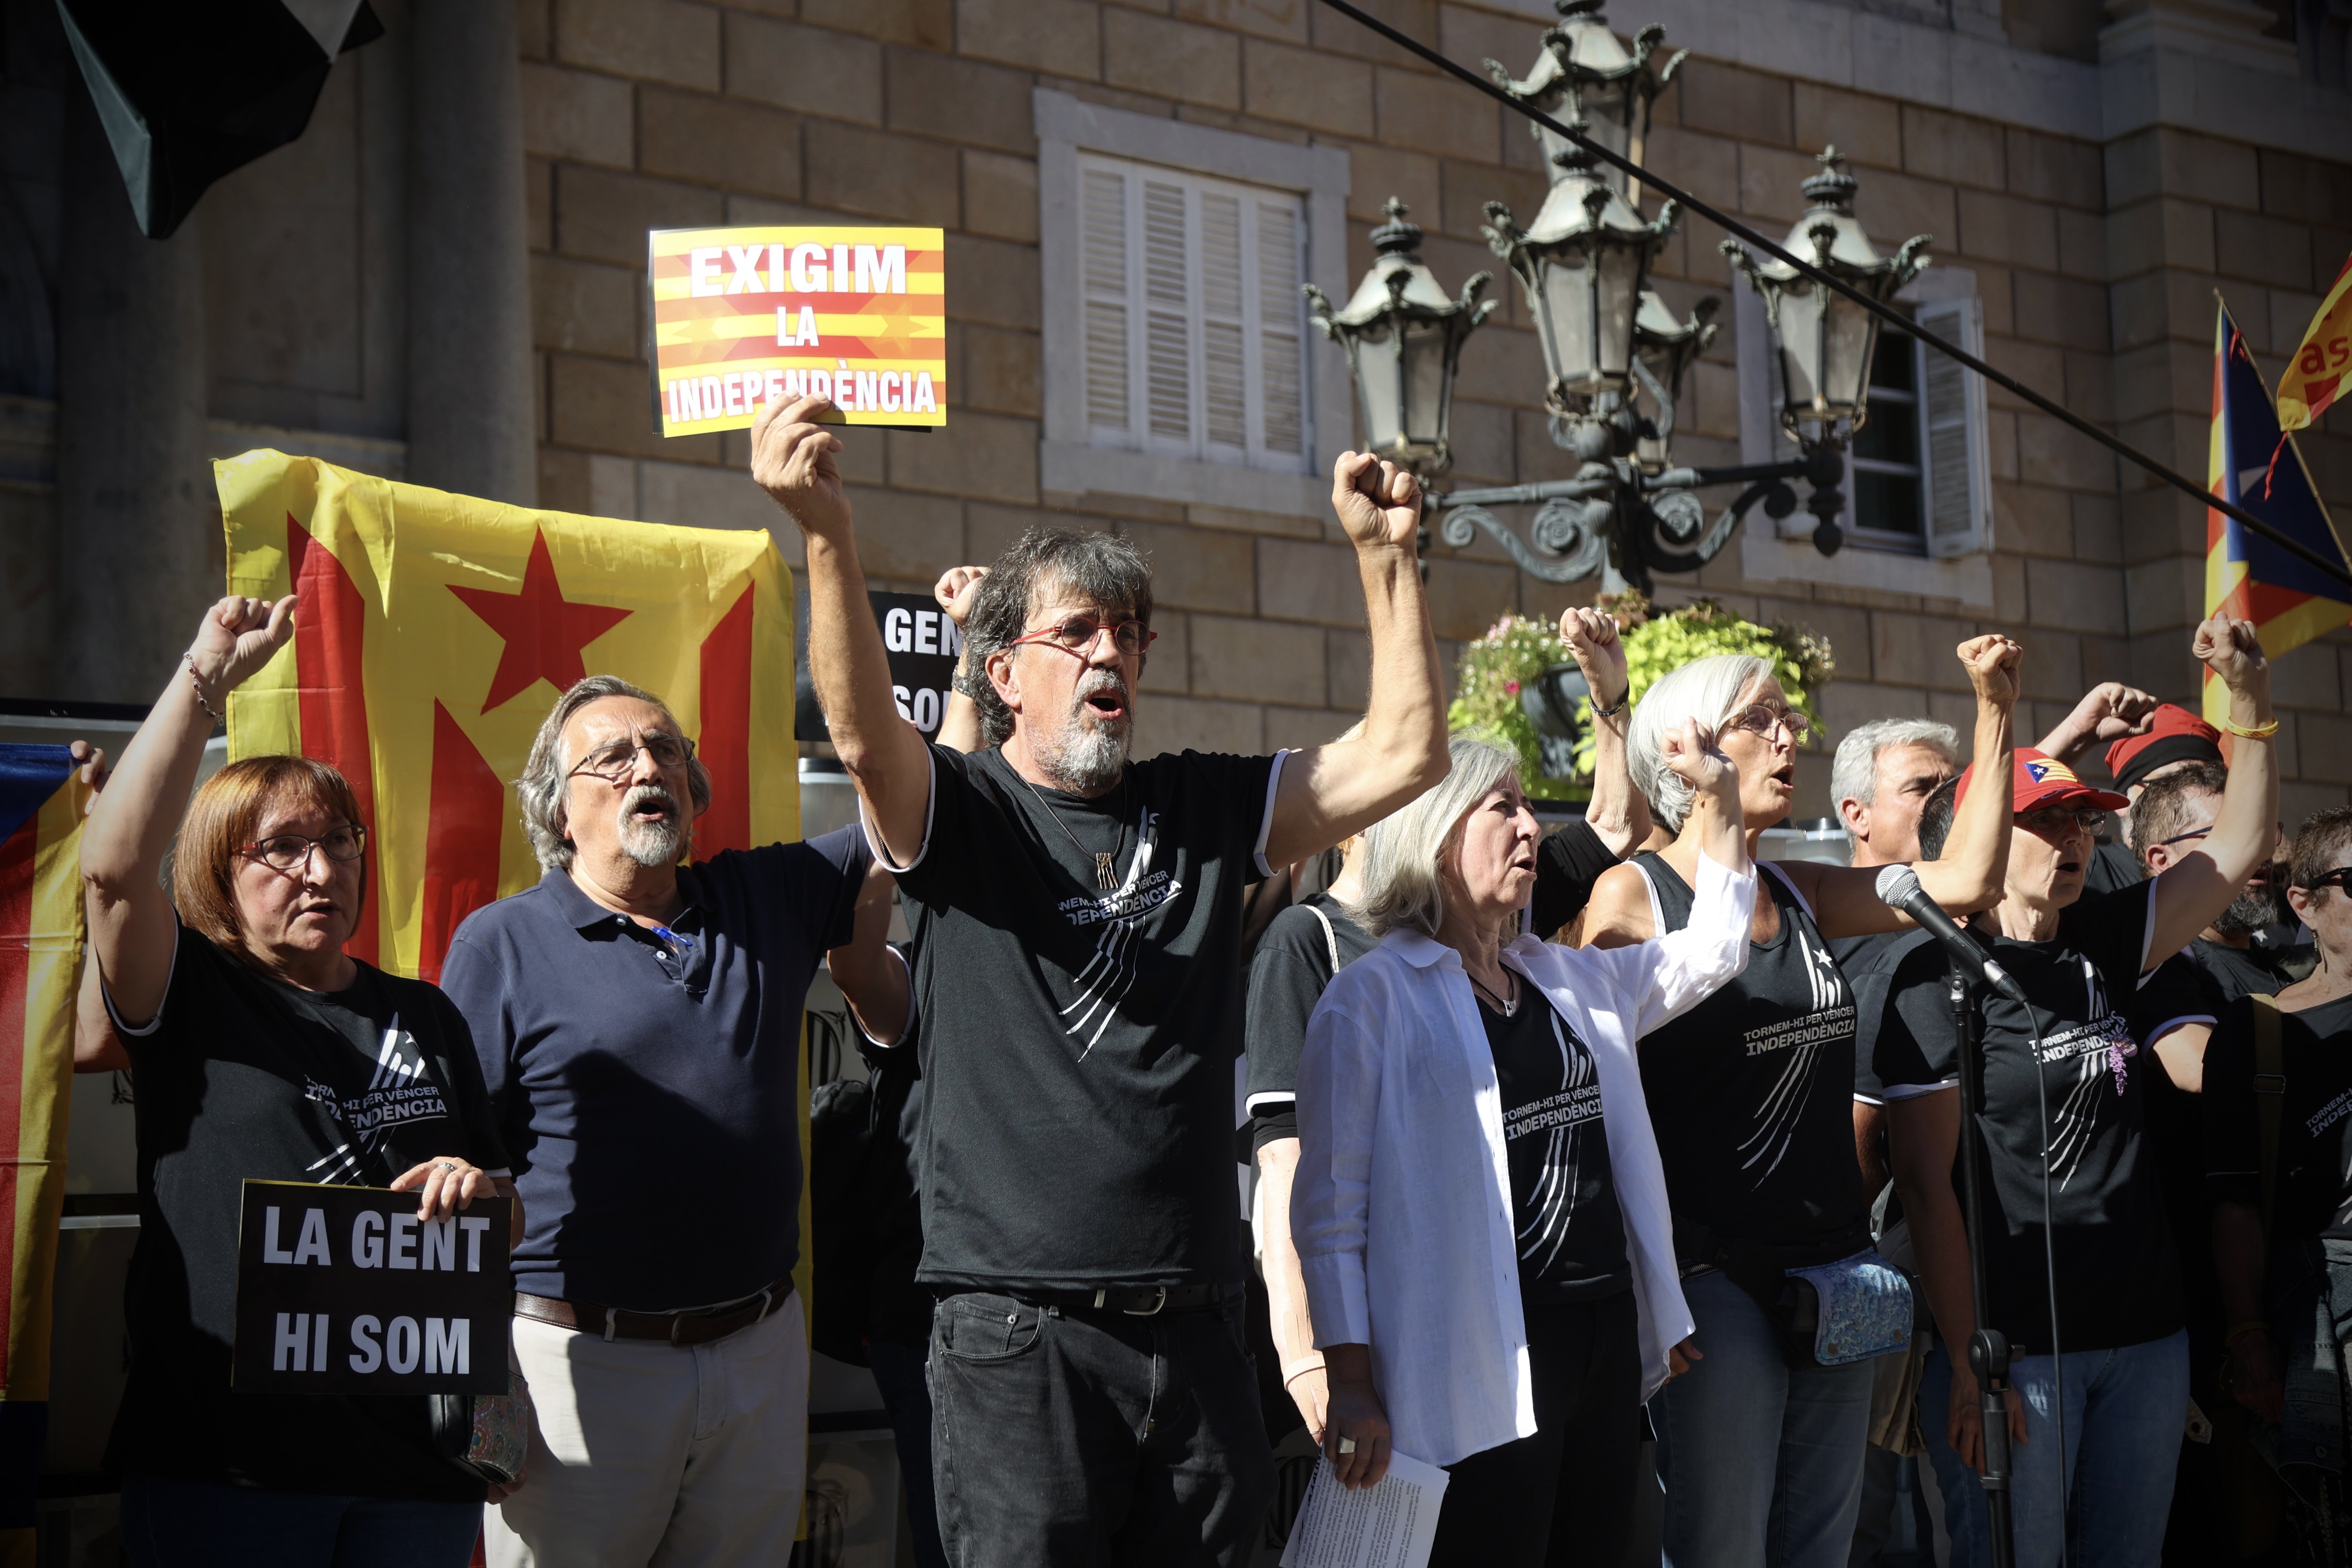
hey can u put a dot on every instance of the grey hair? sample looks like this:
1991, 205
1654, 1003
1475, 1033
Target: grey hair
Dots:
1706, 690
1102, 568
541, 788
1855, 774
1403, 851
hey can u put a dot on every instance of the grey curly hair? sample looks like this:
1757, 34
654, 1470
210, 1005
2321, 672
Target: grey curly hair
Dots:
541, 790
1100, 568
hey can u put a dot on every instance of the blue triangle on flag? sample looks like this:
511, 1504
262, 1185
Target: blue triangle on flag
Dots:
29, 776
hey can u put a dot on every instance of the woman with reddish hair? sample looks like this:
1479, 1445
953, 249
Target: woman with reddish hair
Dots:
261, 1050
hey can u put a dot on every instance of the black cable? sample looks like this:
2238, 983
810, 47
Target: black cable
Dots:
2293, 546
2050, 1277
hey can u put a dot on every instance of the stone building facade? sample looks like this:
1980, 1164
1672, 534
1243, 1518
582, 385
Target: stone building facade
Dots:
2091, 175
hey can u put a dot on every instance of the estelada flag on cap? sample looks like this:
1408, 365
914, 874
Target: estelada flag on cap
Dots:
2288, 601
2173, 735
2038, 779
41, 938
2321, 365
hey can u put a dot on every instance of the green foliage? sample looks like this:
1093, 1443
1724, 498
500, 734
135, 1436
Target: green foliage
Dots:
1515, 650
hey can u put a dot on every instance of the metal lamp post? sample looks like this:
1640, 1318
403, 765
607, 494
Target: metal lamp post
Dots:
1585, 70
1402, 335
1822, 342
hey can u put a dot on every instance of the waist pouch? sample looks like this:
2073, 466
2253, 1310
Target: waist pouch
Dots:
1825, 1314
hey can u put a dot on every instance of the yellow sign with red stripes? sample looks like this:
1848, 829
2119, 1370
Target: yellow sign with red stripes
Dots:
743, 316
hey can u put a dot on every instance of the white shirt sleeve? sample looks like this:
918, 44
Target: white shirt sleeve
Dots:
1330, 1194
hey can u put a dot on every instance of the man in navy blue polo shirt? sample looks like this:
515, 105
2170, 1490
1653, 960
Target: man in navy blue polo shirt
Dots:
639, 1025
1077, 924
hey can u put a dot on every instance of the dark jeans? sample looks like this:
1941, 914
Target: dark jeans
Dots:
170, 1523
898, 1373
1071, 1438
1580, 1466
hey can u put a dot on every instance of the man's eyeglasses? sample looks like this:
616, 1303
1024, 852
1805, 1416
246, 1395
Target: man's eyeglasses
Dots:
2201, 832
292, 851
614, 759
2340, 878
1760, 720
2058, 818
1077, 633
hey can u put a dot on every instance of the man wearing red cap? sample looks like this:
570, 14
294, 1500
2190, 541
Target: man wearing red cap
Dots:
2117, 1291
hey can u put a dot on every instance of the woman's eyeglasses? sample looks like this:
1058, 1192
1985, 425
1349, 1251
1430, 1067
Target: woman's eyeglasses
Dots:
614, 759
292, 851
1077, 633
2340, 878
1760, 720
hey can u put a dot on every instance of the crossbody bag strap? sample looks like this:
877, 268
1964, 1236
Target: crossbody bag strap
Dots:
2270, 1093
1330, 938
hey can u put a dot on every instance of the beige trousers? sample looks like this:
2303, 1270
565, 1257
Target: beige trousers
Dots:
645, 1456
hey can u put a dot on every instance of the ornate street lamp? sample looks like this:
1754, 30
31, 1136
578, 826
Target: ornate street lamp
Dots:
1586, 74
1582, 267
1822, 342
1404, 335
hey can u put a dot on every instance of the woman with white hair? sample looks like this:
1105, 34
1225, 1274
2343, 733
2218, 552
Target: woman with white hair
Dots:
1478, 1207
1760, 1449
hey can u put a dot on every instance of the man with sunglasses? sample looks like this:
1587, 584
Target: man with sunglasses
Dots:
2064, 1092
1077, 926
638, 1020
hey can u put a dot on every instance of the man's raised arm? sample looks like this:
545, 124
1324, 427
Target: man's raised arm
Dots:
1331, 791
793, 459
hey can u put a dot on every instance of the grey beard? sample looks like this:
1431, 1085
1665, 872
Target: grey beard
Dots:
2252, 910
652, 844
1083, 757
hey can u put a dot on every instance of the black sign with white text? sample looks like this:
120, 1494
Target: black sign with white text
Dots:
923, 647
344, 1290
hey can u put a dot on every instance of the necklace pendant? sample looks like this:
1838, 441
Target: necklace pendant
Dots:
1104, 878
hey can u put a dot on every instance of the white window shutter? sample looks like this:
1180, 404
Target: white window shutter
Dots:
1955, 452
1166, 314
1283, 373
1102, 230
1224, 368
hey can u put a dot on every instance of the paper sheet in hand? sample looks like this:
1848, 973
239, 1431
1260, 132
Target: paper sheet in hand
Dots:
1389, 1526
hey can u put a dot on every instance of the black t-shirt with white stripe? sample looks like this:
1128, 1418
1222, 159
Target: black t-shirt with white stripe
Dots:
1571, 1236
2118, 1276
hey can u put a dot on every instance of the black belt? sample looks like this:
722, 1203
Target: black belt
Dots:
1135, 1301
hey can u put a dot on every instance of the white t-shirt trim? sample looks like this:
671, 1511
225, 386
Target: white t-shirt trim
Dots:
1896, 1091
1265, 823
874, 836
156, 1022
906, 1030
1271, 1100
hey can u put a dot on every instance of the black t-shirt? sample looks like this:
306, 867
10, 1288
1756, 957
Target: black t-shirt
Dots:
1864, 962
1077, 1046
2237, 972
2179, 991
1563, 1198
1567, 865
1751, 1093
2118, 1278
2313, 1196
2113, 868
241, 1078
1293, 965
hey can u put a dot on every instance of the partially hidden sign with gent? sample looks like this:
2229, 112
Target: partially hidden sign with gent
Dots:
744, 316
344, 1290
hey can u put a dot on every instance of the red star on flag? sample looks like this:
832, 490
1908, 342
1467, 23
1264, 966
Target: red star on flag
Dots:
544, 632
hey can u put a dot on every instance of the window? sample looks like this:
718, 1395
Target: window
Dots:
1195, 339
1177, 364
1918, 477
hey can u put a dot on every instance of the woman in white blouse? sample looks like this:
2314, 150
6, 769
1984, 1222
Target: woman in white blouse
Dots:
1478, 1209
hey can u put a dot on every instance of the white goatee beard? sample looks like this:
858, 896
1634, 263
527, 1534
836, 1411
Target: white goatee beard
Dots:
1085, 755
652, 844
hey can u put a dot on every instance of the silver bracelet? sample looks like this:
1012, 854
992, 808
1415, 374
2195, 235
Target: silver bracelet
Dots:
196, 684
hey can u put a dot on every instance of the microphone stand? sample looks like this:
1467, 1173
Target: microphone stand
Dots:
1988, 1347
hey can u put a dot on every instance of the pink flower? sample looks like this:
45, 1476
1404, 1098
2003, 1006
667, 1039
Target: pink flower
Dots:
1512, 687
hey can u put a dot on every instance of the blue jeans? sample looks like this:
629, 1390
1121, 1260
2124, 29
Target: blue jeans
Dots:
2125, 1411
900, 1372
1762, 1462
169, 1523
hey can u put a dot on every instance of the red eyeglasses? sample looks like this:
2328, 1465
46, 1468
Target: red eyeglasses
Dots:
1077, 633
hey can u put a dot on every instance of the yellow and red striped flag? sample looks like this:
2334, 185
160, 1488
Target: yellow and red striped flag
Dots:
2321, 365
435, 632
41, 801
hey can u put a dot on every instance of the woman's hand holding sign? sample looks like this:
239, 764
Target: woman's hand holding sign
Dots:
449, 1184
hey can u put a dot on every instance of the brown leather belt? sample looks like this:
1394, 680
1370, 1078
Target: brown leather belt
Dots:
680, 1329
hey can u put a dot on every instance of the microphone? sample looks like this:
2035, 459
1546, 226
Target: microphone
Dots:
1899, 888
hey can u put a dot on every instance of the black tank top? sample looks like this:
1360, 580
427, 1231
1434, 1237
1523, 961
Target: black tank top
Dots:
1751, 1092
